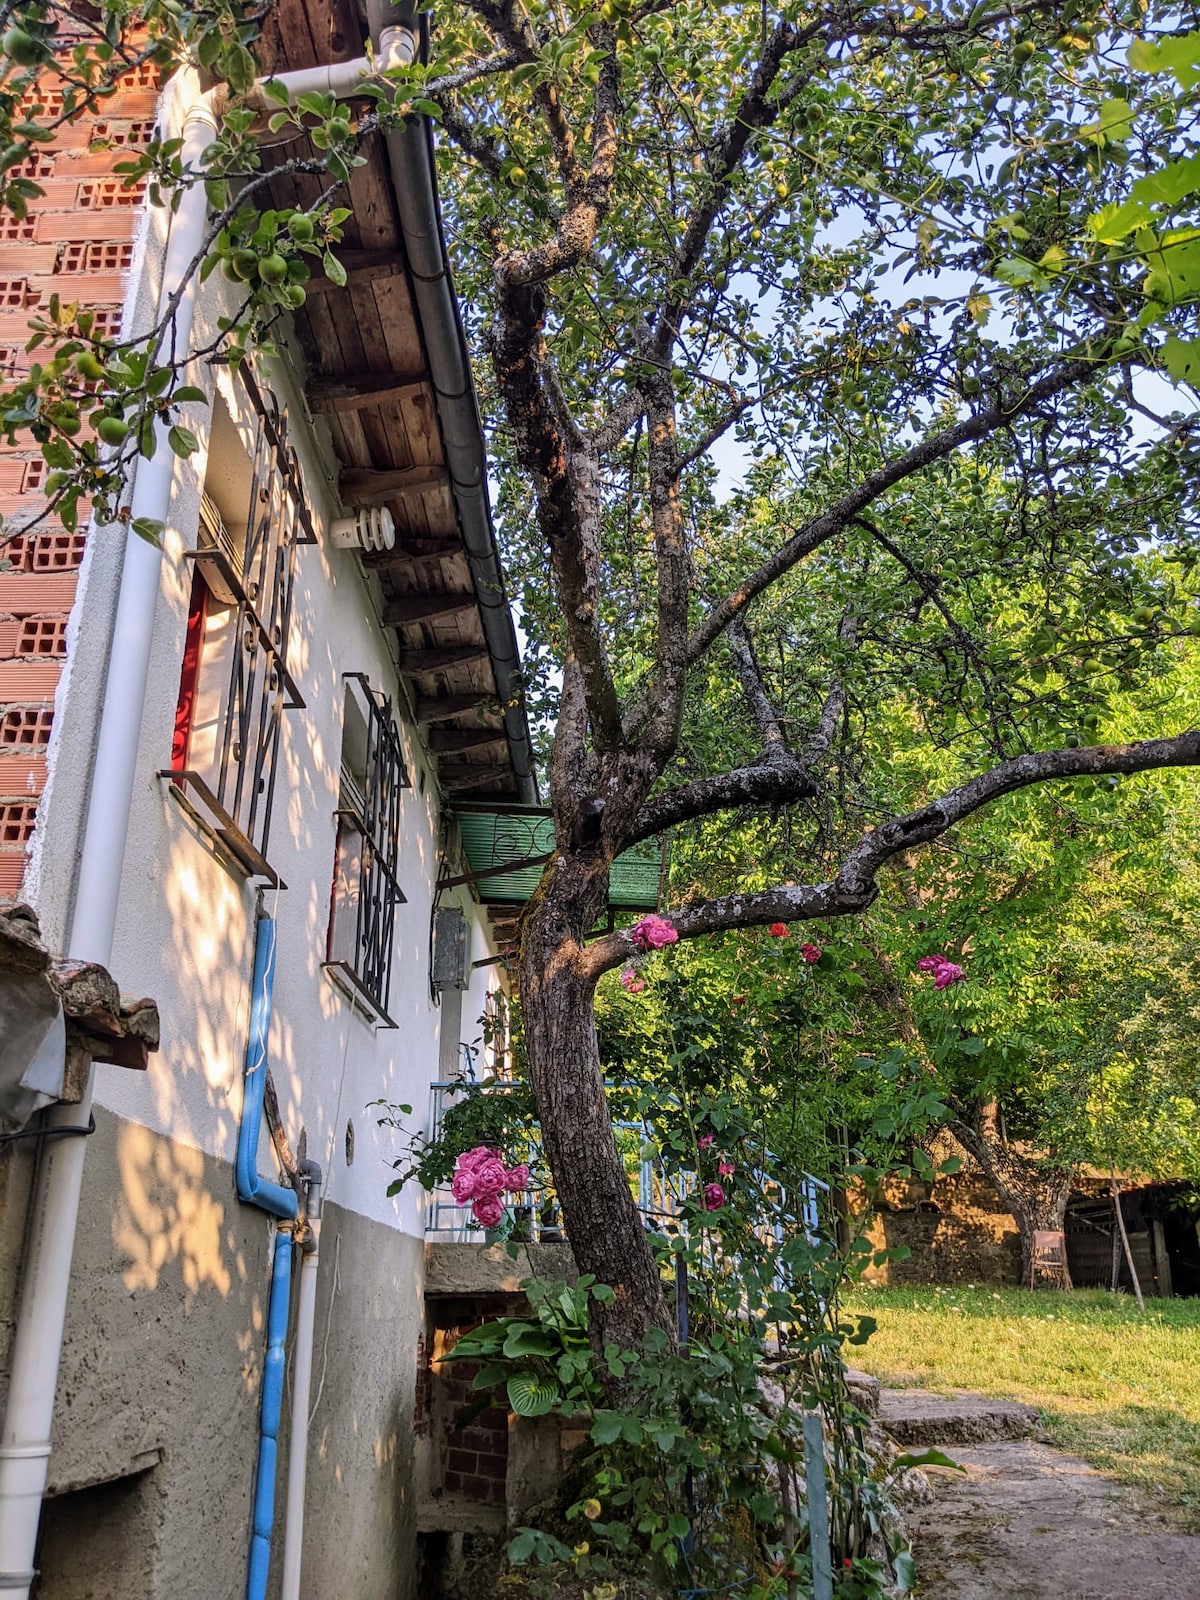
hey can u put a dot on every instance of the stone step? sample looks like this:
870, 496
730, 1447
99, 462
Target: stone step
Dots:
864, 1390
917, 1417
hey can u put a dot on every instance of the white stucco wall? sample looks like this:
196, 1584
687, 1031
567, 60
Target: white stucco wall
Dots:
185, 923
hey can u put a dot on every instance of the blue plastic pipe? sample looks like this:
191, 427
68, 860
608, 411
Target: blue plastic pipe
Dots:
253, 1189
281, 1202
272, 1406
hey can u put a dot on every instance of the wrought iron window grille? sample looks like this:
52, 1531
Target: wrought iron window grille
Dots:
366, 888
232, 802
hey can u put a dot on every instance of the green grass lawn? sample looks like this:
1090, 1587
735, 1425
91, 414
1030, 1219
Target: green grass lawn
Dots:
1120, 1389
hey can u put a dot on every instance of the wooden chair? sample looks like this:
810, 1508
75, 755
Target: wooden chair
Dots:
1049, 1259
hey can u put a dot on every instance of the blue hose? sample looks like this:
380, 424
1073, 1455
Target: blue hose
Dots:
272, 1406
253, 1189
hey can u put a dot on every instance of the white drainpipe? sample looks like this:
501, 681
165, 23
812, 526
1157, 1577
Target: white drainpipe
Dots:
41, 1318
302, 1363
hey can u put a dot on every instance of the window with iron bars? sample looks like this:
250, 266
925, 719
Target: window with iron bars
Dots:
235, 684
366, 888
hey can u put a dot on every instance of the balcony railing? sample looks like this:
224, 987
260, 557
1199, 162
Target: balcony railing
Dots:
660, 1196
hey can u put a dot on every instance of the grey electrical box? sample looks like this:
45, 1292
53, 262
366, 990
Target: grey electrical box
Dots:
451, 949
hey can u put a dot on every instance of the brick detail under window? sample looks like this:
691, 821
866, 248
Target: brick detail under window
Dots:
43, 636
39, 165
26, 727
103, 194
44, 552
57, 552
98, 256
42, 104
19, 230
17, 818
106, 322
120, 134
476, 1454
144, 76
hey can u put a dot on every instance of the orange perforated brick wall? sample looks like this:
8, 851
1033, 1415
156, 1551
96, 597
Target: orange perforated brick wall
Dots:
76, 242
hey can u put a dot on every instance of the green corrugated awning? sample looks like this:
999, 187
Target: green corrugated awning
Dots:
502, 837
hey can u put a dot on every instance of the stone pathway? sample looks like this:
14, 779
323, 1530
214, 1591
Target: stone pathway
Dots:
1027, 1522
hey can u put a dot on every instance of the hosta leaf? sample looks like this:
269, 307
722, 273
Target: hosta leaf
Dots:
532, 1394
524, 1340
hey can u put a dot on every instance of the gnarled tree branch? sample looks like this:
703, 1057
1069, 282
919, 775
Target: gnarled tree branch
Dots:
855, 886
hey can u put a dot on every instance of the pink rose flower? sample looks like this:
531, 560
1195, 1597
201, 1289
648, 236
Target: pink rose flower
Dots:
471, 1158
490, 1176
811, 953
653, 932
516, 1179
778, 930
714, 1197
944, 972
726, 1168
463, 1186
704, 1141
488, 1210
632, 981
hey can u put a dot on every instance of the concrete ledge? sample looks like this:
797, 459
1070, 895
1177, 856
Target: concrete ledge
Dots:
454, 1513
478, 1269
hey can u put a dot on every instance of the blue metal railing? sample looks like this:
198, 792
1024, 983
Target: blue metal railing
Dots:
660, 1195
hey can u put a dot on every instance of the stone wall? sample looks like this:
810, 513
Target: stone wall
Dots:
955, 1229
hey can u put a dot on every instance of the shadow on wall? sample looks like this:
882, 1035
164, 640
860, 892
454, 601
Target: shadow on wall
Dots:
166, 1216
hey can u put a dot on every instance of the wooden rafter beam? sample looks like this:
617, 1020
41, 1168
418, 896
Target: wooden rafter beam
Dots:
449, 739
405, 608
431, 708
414, 662
412, 549
362, 266
371, 486
355, 391
430, 558
457, 779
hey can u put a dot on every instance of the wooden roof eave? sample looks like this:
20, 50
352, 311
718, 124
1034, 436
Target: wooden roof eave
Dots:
379, 351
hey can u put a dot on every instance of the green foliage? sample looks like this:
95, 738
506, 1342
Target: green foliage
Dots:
480, 1116
695, 1471
1156, 225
